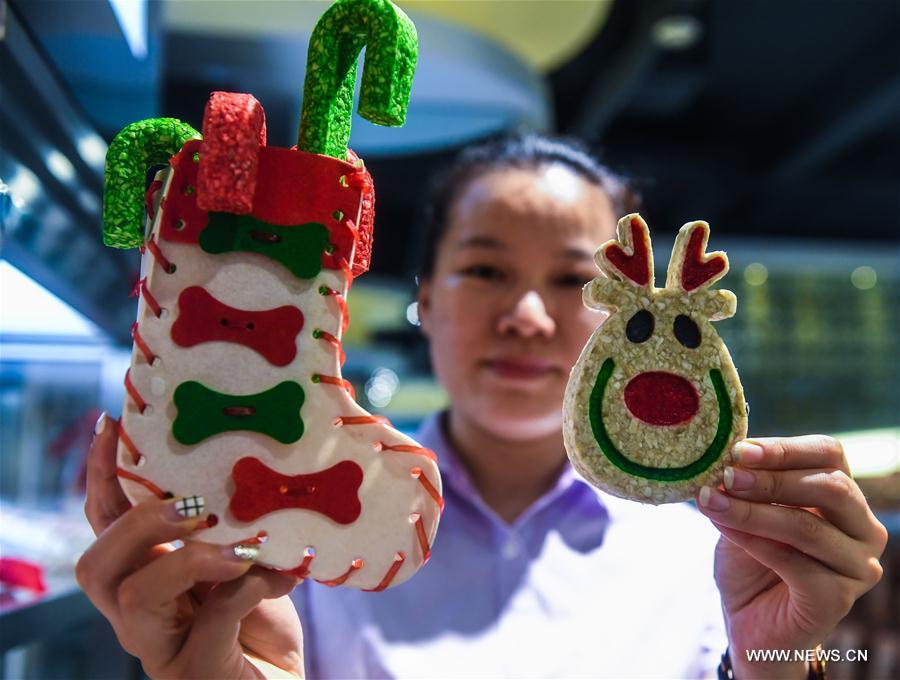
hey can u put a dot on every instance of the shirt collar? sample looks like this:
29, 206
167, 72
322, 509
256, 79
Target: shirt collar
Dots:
432, 434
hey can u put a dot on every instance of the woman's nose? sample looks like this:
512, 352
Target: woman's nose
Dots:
528, 317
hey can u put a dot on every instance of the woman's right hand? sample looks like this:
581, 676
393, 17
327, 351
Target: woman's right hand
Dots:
150, 594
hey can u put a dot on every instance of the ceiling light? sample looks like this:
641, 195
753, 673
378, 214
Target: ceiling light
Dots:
677, 32
863, 278
93, 149
60, 166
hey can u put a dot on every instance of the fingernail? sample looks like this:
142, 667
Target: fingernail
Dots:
713, 499
747, 453
245, 553
188, 507
737, 479
100, 425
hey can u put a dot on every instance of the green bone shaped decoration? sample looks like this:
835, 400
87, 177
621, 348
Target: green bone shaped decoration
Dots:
299, 248
390, 63
136, 148
203, 412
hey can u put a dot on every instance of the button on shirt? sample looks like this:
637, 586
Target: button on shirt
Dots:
582, 584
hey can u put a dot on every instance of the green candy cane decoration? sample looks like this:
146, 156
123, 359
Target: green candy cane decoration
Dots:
137, 147
391, 49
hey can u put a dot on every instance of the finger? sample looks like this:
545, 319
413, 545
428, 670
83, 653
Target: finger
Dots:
813, 585
105, 501
801, 529
151, 600
124, 546
216, 627
785, 453
830, 491
272, 631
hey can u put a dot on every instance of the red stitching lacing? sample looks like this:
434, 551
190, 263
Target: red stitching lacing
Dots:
399, 559
208, 523
319, 334
350, 225
123, 436
332, 380
163, 261
261, 537
133, 393
155, 186
359, 179
151, 301
354, 565
360, 420
342, 304
146, 483
141, 345
417, 473
405, 448
348, 272
302, 571
423, 539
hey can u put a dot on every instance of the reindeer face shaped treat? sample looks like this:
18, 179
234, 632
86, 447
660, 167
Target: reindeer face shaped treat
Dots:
236, 401
654, 404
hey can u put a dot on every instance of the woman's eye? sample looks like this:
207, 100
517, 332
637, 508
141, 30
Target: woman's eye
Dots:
483, 271
574, 280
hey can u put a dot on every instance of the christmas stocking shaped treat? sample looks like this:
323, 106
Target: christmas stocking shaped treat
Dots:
236, 402
654, 404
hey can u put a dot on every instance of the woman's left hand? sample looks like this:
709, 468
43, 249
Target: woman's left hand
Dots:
799, 546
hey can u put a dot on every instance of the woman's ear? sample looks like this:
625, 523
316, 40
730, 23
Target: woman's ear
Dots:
423, 306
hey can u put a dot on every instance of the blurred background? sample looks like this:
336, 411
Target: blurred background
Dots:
776, 121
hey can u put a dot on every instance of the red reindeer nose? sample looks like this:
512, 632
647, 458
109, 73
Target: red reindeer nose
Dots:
660, 398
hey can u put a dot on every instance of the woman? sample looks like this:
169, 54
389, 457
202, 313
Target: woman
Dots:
533, 573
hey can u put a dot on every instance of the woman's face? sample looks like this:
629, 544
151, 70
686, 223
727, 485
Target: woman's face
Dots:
502, 309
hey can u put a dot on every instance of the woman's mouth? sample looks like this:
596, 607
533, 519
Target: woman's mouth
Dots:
521, 368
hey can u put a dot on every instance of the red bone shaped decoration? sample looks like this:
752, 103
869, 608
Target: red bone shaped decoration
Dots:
272, 332
637, 266
698, 269
260, 490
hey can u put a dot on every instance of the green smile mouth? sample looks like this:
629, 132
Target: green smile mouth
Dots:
674, 474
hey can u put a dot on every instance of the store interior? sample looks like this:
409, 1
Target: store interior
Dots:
775, 122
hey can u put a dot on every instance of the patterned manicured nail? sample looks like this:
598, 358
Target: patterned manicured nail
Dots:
247, 553
713, 499
100, 425
747, 453
737, 479
190, 506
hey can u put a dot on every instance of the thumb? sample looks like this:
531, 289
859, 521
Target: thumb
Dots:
220, 619
105, 501
272, 632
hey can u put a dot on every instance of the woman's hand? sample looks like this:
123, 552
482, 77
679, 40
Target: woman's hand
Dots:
799, 546
162, 603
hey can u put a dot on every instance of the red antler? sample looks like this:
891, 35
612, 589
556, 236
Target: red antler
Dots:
690, 267
634, 261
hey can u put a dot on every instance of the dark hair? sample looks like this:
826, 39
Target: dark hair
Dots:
528, 150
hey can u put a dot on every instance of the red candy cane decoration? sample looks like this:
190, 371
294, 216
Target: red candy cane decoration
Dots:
234, 127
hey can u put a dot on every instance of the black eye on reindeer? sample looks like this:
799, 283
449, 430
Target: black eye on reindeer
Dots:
640, 326
686, 331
